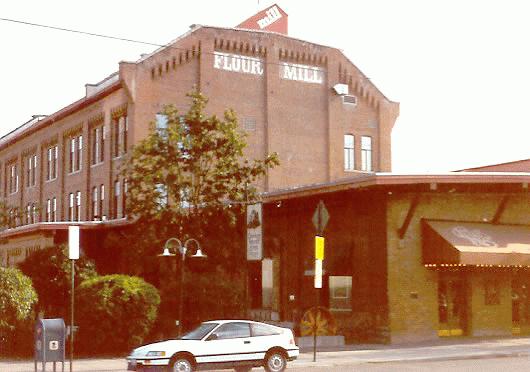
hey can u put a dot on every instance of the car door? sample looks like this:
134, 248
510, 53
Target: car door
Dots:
230, 342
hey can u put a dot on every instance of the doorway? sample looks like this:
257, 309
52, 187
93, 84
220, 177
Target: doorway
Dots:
452, 306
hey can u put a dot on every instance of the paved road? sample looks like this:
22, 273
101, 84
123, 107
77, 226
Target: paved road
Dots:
444, 356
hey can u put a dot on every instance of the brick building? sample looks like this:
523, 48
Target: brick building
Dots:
307, 102
407, 257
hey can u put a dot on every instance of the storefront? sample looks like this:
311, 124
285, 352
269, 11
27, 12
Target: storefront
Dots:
407, 258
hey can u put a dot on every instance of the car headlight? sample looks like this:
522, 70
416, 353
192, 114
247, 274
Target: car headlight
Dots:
156, 353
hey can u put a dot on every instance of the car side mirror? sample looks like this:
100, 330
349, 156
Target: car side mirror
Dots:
212, 337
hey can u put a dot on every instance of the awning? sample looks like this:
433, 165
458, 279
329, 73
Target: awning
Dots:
480, 244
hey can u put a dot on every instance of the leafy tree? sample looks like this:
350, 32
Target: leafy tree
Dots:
50, 271
115, 313
17, 300
192, 170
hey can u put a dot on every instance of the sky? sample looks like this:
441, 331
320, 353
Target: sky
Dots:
459, 69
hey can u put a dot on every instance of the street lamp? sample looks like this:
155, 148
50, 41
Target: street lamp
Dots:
183, 250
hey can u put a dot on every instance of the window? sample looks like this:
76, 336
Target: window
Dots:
76, 150
94, 213
102, 202
98, 145
492, 293
78, 206
48, 210
28, 214
259, 329
120, 127
116, 200
233, 330
71, 207
124, 199
35, 213
366, 153
31, 170
54, 210
340, 288
13, 178
51, 163
161, 125
349, 152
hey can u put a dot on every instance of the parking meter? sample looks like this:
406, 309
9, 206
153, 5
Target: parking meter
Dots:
50, 336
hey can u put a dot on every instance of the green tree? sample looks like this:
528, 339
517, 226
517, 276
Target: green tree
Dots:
50, 270
17, 300
115, 313
192, 171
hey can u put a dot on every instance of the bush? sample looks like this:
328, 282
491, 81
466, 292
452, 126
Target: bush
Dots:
114, 313
50, 271
17, 300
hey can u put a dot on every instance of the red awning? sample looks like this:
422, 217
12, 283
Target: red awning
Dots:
479, 244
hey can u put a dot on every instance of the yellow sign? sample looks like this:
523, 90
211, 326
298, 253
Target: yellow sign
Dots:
319, 247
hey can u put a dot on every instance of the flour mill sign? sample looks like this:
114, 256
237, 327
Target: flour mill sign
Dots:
256, 66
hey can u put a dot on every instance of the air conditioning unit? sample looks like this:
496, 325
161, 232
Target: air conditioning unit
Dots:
349, 99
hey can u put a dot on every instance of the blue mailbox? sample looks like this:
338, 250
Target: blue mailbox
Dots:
50, 337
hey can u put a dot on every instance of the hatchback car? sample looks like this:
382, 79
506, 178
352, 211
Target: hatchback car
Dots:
219, 344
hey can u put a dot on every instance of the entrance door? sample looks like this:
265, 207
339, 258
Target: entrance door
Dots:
520, 305
452, 306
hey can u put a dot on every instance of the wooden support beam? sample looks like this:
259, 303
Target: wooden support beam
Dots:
412, 208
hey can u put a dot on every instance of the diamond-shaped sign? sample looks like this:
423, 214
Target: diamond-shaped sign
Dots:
320, 217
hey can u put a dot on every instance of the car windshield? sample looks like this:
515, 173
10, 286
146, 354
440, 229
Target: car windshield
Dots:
199, 332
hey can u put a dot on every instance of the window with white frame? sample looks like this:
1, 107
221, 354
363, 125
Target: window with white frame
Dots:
366, 154
52, 154
78, 206
35, 213
31, 170
161, 195
124, 198
54, 210
116, 200
161, 125
102, 202
28, 214
349, 152
76, 151
95, 203
48, 210
120, 129
13, 178
71, 208
98, 144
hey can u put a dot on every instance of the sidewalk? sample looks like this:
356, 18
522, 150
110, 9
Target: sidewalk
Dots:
348, 355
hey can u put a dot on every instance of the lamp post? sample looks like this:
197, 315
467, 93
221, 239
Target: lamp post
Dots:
182, 251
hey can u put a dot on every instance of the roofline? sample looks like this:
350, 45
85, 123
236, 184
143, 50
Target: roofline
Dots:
492, 165
13, 136
62, 225
393, 179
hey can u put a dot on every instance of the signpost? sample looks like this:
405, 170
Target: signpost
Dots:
320, 220
73, 254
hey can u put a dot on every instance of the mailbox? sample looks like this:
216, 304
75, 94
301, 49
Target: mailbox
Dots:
50, 336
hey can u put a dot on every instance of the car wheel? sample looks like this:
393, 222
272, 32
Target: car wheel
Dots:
275, 361
181, 365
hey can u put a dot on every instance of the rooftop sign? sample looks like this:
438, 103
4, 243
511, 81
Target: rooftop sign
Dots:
272, 19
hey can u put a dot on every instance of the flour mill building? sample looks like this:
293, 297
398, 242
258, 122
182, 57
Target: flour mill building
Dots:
305, 101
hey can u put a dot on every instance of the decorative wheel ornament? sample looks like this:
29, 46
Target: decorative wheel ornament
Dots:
319, 319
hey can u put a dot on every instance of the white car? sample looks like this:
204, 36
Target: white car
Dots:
219, 344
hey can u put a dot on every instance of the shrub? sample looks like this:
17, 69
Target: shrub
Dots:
50, 271
114, 313
17, 300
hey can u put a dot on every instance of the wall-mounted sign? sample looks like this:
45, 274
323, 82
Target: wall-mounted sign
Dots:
238, 63
254, 232
305, 73
272, 15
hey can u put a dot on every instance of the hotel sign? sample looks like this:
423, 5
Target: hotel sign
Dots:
256, 66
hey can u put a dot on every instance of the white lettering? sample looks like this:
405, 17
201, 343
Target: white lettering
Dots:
237, 63
272, 15
218, 60
307, 74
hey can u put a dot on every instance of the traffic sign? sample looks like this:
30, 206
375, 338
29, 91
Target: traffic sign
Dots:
320, 217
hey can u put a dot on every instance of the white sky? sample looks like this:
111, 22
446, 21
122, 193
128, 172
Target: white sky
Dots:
460, 69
